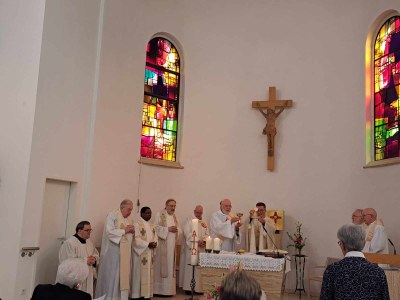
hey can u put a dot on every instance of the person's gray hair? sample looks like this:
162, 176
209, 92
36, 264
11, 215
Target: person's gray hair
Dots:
352, 236
239, 286
72, 271
125, 202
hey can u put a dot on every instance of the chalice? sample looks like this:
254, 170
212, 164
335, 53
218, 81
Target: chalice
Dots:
240, 215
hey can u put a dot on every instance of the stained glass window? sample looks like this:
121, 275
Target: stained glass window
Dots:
386, 90
160, 101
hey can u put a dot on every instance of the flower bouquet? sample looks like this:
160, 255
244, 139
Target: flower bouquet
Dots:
297, 238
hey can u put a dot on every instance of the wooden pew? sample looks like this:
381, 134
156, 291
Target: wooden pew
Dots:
392, 275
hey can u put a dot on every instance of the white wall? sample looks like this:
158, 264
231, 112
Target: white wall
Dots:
312, 51
21, 26
61, 131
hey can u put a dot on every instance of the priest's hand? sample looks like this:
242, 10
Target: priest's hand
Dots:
173, 229
129, 229
234, 219
237, 225
91, 260
152, 245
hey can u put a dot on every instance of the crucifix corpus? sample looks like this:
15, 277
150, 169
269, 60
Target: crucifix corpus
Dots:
271, 109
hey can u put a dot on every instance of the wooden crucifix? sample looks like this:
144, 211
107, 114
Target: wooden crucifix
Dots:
273, 109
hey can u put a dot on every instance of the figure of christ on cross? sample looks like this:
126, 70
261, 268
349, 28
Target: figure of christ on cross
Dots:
274, 108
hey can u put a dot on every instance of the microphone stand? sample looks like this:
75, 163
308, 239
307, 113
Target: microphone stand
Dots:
394, 248
277, 254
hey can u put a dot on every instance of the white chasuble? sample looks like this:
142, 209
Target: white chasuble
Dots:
221, 227
143, 259
164, 265
376, 240
108, 282
185, 269
73, 248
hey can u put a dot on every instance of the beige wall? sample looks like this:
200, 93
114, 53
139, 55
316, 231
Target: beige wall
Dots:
312, 51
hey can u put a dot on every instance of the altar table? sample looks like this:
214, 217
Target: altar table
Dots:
269, 272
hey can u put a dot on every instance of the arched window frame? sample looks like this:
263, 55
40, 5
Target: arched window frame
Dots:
177, 163
369, 92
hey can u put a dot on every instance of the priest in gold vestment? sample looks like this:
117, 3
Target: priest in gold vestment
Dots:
261, 230
143, 249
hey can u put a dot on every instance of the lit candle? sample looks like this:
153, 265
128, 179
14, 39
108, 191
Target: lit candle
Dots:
217, 244
208, 243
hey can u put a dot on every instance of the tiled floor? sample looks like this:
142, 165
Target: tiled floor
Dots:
181, 296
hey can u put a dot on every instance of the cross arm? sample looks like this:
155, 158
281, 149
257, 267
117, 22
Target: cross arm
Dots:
272, 104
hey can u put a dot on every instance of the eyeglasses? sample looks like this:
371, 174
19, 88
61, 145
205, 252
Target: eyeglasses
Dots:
367, 215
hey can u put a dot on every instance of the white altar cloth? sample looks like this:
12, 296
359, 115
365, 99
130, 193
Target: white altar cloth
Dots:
248, 261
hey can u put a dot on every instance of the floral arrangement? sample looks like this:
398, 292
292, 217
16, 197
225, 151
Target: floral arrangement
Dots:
213, 294
297, 238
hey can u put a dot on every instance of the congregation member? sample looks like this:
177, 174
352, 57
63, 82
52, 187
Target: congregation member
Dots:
143, 248
169, 232
357, 217
353, 278
238, 285
114, 272
185, 269
376, 240
261, 229
70, 274
225, 226
80, 246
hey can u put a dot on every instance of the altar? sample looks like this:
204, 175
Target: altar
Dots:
269, 272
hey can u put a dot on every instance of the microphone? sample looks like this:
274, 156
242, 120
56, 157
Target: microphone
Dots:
277, 254
394, 248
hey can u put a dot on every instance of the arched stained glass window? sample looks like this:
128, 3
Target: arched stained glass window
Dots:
160, 101
386, 90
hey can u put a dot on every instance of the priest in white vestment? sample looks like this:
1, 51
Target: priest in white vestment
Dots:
143, 249
114, 272
80, 246
376, 240
261, 230
169, 232
185, 269
225, 226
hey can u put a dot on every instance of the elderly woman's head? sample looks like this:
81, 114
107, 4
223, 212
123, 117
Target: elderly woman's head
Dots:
351, 237
72, 272
238, 285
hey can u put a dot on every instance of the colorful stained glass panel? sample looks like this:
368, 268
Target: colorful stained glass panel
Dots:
160, 101
386, 88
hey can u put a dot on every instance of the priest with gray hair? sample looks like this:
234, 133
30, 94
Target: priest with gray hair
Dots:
115, 267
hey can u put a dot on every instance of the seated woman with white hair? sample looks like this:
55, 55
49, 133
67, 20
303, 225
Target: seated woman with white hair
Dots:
71, 272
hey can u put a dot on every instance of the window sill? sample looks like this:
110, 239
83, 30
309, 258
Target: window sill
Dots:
160, 163
382, 163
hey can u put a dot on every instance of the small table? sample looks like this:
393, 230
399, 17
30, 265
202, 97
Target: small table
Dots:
300, 262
